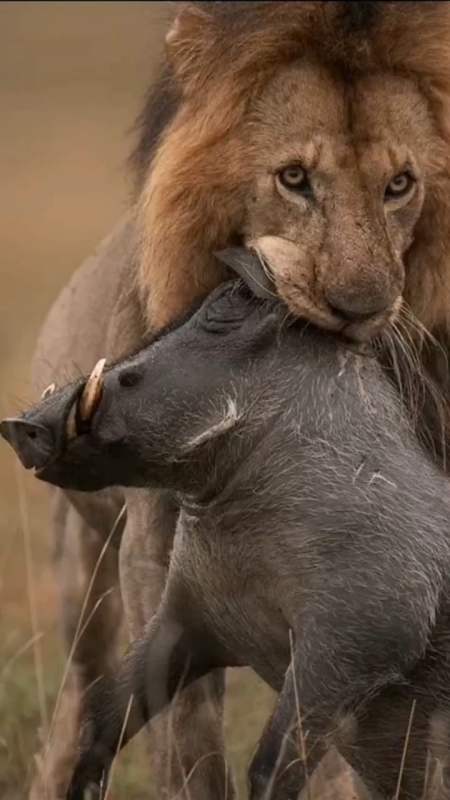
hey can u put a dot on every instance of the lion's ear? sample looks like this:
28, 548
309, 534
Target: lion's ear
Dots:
188, 43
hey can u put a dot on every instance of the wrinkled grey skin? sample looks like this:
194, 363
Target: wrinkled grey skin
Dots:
313, 542
98, 314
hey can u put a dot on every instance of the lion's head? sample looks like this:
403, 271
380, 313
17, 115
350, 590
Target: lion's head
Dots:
319, 134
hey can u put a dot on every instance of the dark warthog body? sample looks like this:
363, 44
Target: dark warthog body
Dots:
313, 540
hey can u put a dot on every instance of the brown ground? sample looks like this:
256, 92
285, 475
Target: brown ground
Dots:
72, 76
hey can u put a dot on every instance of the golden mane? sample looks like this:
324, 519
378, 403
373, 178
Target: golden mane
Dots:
221, 54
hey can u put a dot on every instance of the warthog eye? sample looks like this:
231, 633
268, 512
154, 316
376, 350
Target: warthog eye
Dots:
130, 377
402, 185
295, 179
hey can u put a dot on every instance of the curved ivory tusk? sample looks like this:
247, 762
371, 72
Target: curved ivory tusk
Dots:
92, 392
71, 424
48, 391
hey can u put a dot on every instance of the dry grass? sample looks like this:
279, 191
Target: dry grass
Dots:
72, 76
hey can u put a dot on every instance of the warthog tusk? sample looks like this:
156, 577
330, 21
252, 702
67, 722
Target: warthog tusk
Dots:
48, 391
92, 392
71, 424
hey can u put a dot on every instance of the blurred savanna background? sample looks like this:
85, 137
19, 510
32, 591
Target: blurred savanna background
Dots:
72, 78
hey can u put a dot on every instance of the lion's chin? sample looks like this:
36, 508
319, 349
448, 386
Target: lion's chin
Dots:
373, 327
358, 332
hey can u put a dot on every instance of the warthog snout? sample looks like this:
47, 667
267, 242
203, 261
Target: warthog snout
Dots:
33, 442
40, 435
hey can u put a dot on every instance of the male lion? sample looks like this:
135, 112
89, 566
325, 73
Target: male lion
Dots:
318, 133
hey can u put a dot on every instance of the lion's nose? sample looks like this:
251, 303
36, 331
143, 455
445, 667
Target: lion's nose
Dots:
356, 306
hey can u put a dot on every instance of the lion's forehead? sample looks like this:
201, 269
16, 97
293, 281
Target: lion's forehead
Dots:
308, 113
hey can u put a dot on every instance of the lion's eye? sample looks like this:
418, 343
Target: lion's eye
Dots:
400, 186
294, 178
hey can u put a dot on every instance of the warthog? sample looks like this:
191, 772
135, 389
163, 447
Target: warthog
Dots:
312, 544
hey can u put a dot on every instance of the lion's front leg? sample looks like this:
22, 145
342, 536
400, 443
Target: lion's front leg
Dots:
91, 614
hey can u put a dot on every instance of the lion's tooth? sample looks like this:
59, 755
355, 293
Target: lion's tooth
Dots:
92, 392
48, 391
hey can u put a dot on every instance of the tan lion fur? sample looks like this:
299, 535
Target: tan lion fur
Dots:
197, 192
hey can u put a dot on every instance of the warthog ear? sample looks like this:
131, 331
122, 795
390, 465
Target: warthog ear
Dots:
249, 266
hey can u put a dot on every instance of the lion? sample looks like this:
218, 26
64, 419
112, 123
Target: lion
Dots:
317, 134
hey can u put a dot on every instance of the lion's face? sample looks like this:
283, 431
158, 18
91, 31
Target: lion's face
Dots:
320, 136
338, 177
